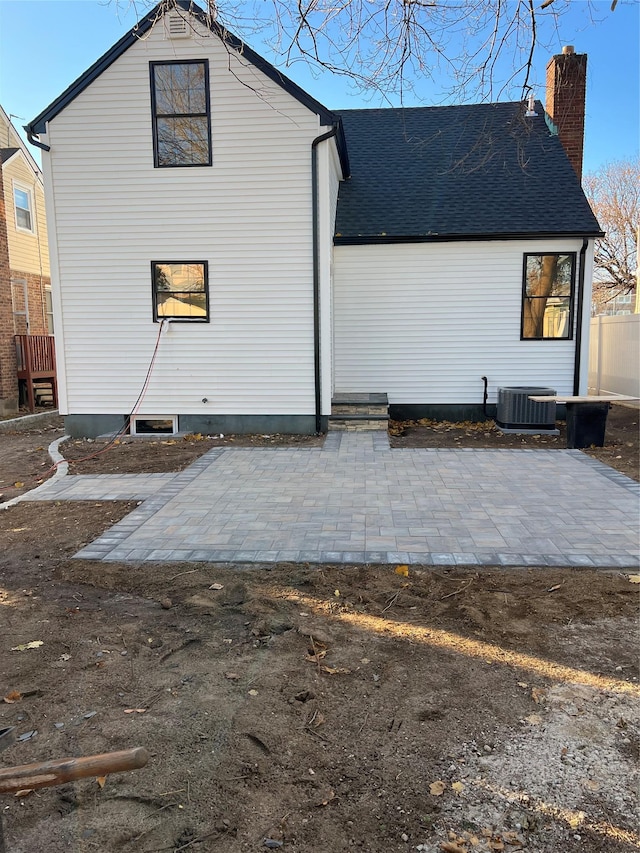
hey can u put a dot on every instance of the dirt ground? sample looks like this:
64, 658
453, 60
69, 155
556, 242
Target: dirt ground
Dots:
309, 708
621, 450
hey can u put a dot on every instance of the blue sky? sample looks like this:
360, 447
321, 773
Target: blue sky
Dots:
46, 44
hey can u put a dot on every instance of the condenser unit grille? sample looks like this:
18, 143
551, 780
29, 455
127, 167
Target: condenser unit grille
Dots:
515, 409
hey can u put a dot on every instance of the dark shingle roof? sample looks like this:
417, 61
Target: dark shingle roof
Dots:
5, 153
429, 173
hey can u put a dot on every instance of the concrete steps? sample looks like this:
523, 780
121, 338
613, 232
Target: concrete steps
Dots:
358, 412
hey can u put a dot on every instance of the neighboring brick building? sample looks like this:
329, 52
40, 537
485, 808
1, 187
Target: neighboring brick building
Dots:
25, 284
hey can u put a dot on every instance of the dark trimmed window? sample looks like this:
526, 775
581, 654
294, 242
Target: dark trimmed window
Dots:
547, 296
180, 291
180, 107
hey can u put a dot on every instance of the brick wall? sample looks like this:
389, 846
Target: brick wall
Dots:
8, 368
566, 92
36, 302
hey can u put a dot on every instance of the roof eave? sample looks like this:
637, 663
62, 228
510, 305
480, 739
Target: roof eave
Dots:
387, 239
39, 124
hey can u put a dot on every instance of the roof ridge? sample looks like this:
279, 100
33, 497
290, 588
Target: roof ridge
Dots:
38, 124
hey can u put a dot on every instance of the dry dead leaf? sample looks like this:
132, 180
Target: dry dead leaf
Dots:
134, 710
216, 586
534, 719
13, 696
18, 484
437, 788
326, 802
402, 570
458, 787
23, 792
34, 644
335, 670
539, 695
101, 780
317, 657
451, 847
253, 693
554, 588
634, 578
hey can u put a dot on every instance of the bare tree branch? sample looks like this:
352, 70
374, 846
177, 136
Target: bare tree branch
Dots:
614, 195
486, 48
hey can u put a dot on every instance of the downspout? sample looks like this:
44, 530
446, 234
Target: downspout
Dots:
316, 273
32, 139
579, 309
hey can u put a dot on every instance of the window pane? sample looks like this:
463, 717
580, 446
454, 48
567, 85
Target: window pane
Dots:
180, 89
22, 202
549, 275
556, 318
182, 305
179, 277
183, 141
22, 199
180, 291
23, 218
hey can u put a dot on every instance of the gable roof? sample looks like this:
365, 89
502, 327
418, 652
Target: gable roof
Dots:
14, 140
459, 172
327, 117
7, 153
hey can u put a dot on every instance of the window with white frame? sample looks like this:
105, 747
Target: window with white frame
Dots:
48, 304
23, 203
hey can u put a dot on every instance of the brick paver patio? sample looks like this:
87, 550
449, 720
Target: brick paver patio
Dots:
356, 500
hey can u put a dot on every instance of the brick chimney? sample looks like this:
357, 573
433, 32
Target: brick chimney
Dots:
566, 91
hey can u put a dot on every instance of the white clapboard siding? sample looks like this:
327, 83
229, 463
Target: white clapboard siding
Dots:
424, 322
249, 216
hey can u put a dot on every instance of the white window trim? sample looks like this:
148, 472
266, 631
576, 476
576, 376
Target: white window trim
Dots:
25, 188
134, 424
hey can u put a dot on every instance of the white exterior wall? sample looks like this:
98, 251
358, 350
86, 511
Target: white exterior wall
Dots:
248, 215
329, 175
424, 322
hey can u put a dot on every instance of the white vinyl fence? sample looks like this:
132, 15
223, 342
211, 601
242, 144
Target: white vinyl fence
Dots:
614, 355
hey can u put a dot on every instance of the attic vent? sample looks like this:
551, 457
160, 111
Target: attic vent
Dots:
177, 27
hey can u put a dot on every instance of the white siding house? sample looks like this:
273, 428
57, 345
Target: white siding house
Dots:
249, 216
300, 253
399, 310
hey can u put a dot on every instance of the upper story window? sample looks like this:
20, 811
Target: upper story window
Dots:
180, 291
23, 203
547, 296
180, 107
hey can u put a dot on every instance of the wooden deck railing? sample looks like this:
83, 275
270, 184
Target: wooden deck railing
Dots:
36, 357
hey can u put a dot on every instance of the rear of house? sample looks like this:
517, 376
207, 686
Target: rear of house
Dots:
229, 255
179, 177
463, 250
